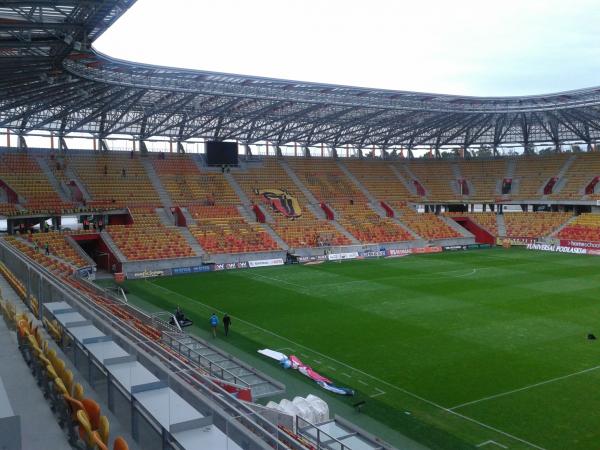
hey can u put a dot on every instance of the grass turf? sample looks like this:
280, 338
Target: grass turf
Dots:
452, 349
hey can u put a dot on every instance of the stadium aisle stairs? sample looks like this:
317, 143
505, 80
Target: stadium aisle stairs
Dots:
26, 396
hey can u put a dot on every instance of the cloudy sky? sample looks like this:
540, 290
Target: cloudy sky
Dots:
467, 47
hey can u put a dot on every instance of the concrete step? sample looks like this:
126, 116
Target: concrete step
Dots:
79, 250
58, 187
238, 189
165, 216
82, 187
411, 187
251, 218
345, 232
280, 242
511, 167
114, 248
188, 217
376, 206
501, 225
191, 240
558, 229
309, 195
358, 184
165, 199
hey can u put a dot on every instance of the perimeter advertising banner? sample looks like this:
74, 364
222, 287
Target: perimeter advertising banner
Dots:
427, 250
309, 259
372, 254
149, 274
266, 262
557, 249
580, 244
340, 256
523, 241
398, 252
191, 269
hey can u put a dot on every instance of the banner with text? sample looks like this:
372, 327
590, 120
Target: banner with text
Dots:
266, 262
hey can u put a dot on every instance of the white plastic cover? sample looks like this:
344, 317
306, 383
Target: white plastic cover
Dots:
320, 406
306, 411
289, 408
275, 406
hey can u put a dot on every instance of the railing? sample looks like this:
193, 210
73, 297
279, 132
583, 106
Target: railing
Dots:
183, 376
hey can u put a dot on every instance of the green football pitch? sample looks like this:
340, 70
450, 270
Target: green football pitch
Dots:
483, 348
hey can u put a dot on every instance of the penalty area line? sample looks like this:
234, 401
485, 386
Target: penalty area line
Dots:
524, 388
393, 386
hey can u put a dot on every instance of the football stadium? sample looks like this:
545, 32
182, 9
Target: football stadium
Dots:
211, 261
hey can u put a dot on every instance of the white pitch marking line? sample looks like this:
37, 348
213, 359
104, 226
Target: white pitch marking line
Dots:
318, 361
393, 386
483, 444
346, 374
379, 392
277, 279
541, 383
332, 368
362, 382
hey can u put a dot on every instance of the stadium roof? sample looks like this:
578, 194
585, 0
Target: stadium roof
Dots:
51, 79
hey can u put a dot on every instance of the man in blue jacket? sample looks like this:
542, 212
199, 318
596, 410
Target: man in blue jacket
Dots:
214, 321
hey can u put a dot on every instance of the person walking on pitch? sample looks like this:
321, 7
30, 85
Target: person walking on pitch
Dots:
214, 321
226, 323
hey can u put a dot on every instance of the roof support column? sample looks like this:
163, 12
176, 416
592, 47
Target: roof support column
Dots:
21, 143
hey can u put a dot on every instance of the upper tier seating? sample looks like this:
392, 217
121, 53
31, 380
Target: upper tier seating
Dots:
427, 225
533, 172
437, 177
380, 180
147, 238
585, 227
24, 175
581, 172
329, 184
221, 229
484, 177
115, 180
533, 224
304, 231
187, 185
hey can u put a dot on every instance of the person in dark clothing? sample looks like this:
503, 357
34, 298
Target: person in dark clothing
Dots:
226, 323
123, 172
47, 249
105, 169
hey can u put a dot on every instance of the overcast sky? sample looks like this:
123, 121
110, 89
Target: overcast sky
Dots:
467, 47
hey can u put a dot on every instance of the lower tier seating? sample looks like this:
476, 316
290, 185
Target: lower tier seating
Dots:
586, 227
533, 224
427, 225
367, 226
147, 238
222, 229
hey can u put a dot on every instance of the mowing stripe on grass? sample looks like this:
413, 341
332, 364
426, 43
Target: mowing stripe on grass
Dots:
524, 388
393, 386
